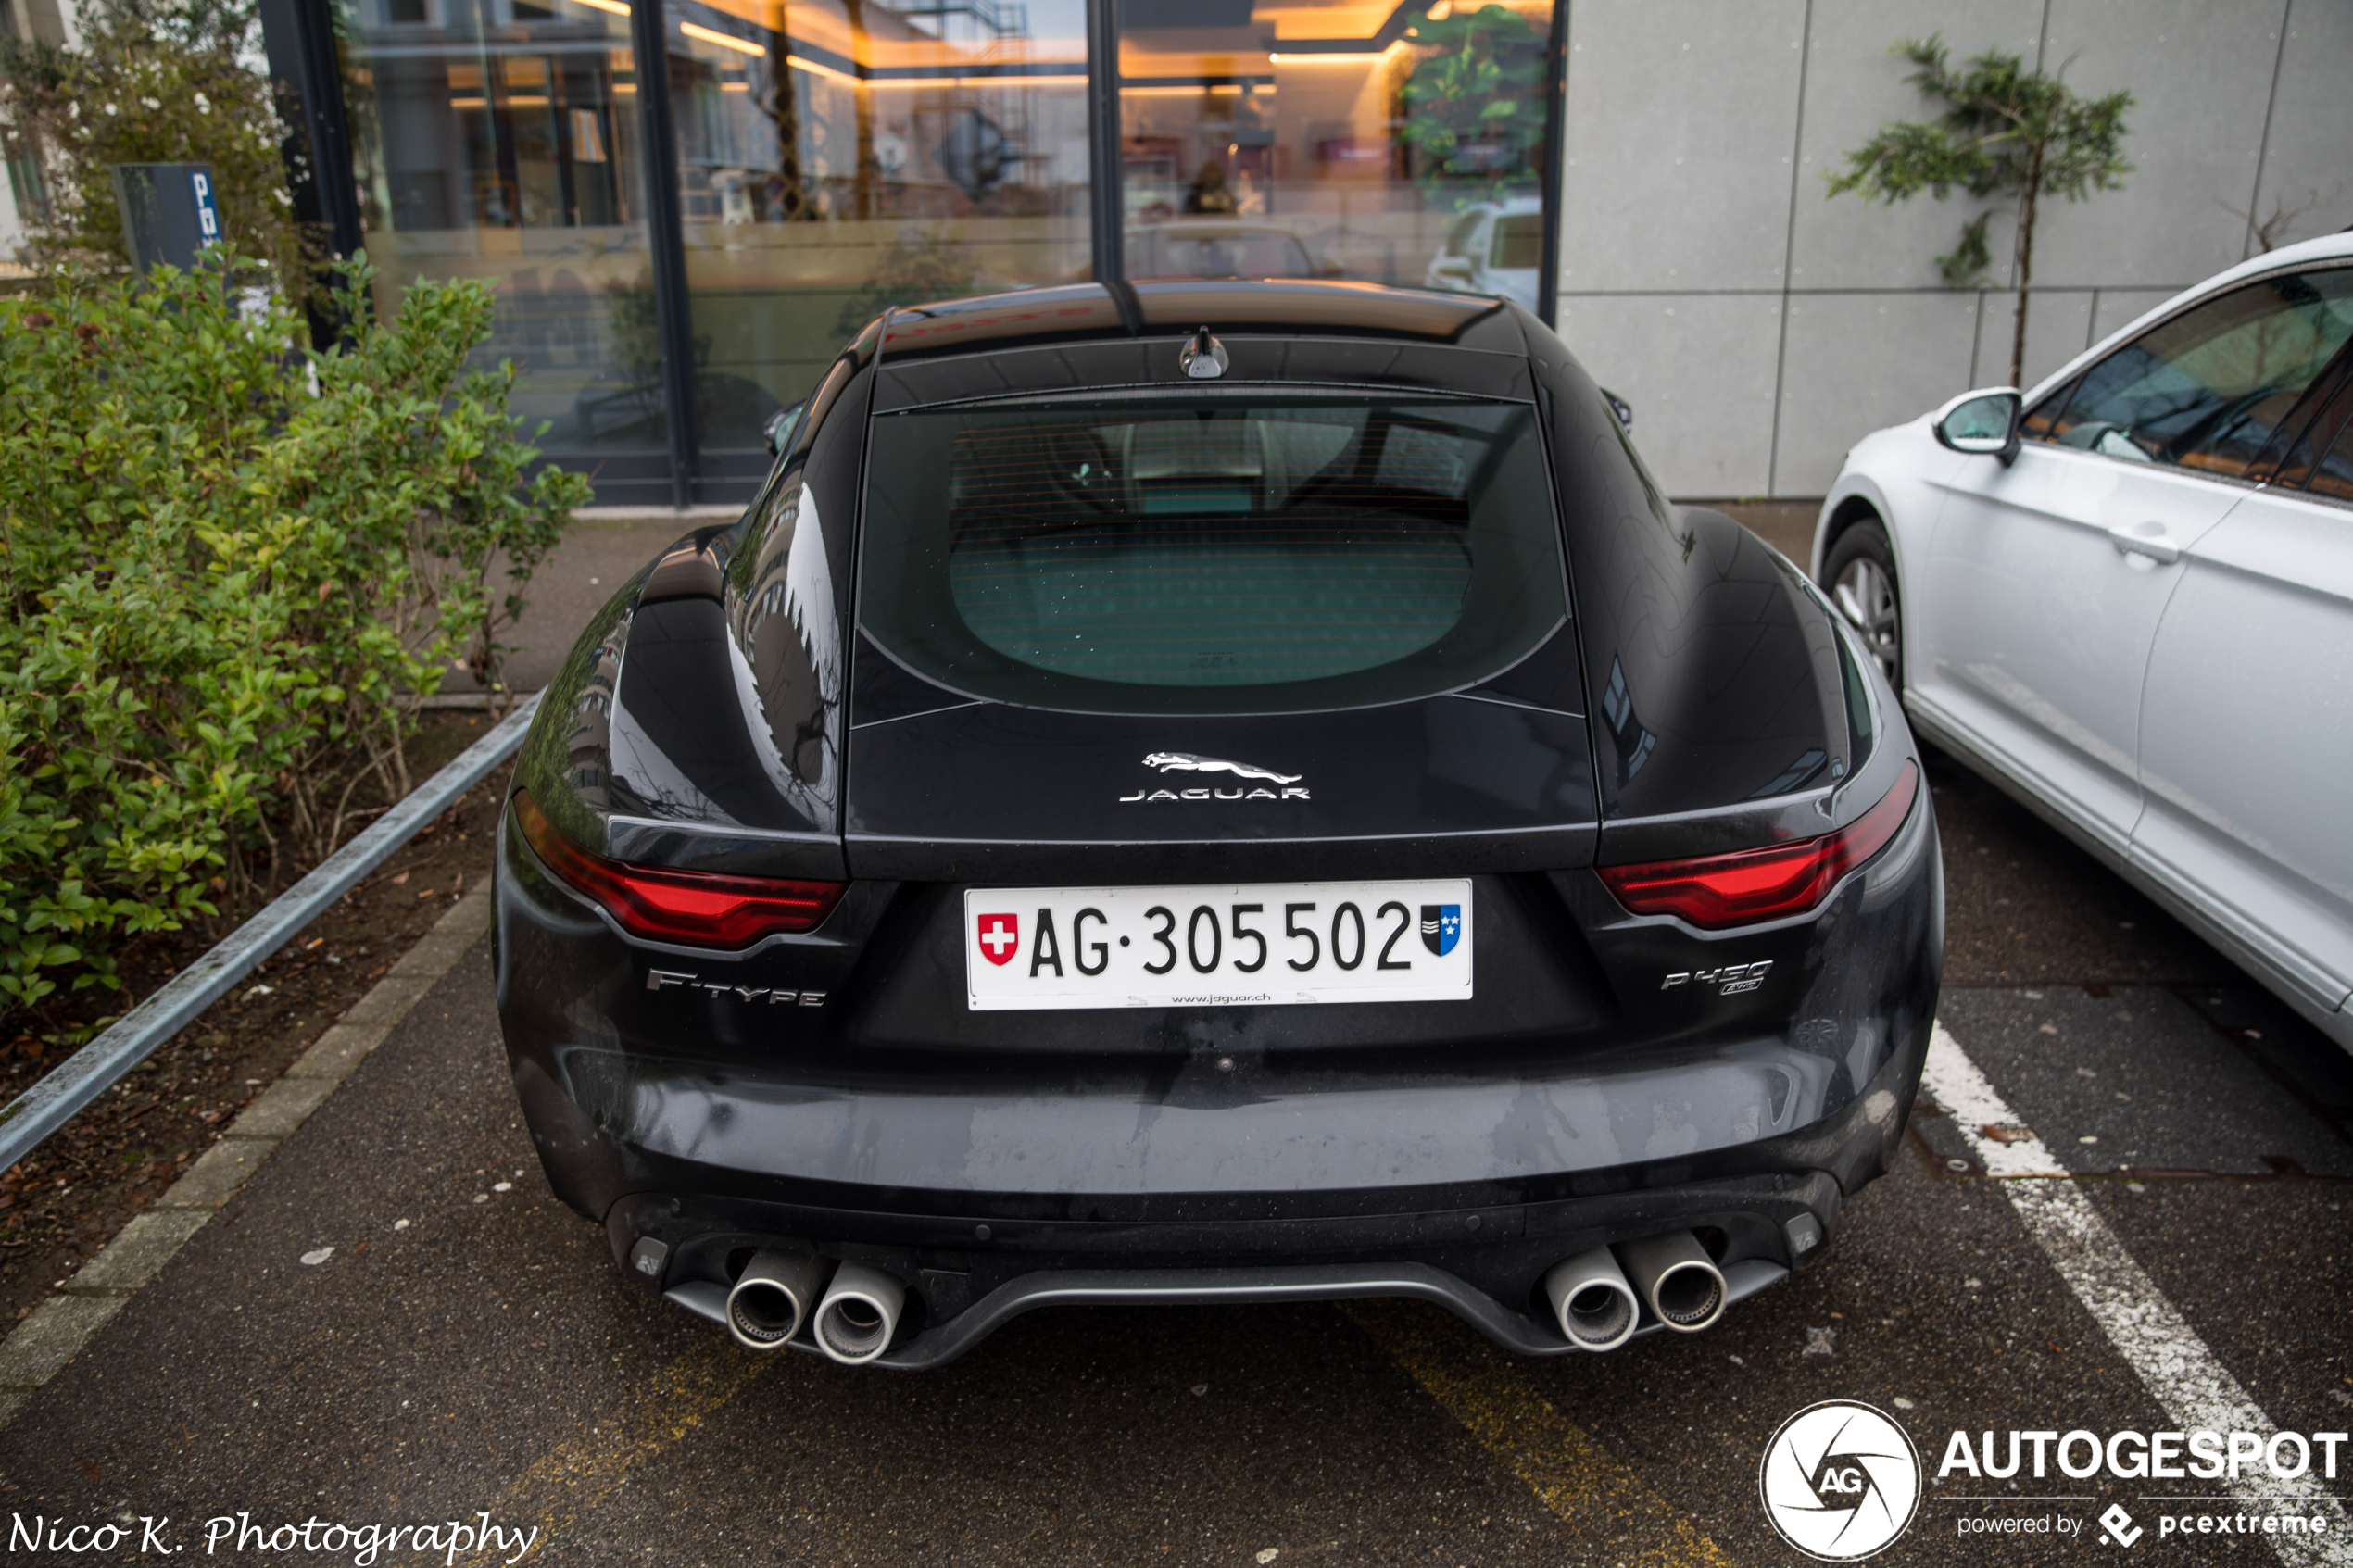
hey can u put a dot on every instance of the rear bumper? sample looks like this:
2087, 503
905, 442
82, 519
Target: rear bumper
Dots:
1268, 1285
1212, 1172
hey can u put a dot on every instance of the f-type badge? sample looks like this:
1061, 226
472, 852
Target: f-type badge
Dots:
1186, 762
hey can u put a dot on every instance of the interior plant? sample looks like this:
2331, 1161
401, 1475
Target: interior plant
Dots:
1473, 101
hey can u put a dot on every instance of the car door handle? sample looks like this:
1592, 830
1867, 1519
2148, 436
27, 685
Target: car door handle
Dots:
2145, 539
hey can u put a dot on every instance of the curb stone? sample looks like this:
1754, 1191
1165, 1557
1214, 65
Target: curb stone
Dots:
42, 1344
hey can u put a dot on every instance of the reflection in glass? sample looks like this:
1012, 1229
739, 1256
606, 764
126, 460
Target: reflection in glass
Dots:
836, 157
1216, 554
1399, 144
498, 139
2209, 388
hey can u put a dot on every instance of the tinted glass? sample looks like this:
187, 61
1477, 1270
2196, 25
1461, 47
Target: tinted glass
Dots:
2208, 389
839, 157
2333, 474
1209, 554
1185, 251
2042, 420
1370, 133
498, 141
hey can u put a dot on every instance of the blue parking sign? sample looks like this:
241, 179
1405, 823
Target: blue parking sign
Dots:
208, 215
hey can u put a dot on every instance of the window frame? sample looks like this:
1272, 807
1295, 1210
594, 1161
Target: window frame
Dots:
1547, 475
2069, 382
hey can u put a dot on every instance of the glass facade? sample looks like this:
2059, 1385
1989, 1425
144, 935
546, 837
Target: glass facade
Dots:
1393, 143
832, 157
837, 156
498, 139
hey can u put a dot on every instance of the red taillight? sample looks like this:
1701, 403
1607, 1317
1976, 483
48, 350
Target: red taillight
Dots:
1714, 891
699, 909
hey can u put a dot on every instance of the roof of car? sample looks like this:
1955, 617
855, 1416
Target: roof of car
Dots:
1299, 307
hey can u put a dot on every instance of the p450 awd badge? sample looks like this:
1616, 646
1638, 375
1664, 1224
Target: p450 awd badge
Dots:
1728, 981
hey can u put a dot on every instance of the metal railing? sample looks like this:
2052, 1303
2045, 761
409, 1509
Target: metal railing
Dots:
98, 1066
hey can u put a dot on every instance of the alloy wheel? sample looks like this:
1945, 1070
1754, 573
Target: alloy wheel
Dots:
1864, 594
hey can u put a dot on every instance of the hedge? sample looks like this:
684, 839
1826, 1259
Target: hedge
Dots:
232, 571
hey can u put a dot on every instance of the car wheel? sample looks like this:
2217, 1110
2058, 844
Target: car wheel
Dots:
1861, 576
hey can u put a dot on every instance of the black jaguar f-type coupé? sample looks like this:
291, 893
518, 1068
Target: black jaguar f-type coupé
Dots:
1214, 792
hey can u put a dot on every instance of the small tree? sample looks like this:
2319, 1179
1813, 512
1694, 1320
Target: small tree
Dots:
2006, 131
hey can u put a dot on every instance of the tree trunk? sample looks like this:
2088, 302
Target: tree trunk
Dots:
2025, 254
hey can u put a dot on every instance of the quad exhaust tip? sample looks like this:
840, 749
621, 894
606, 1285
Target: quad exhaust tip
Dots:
1589, 1295
859, 1314
776, 1292
1675, 1278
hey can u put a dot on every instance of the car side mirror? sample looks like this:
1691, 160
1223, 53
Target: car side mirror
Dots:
1623, 409
1983, 423
1452, 267
778, 432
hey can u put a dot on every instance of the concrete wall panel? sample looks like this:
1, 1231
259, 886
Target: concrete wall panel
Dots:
2309, 162
2200, 75
1682, 115
2058, 327
1853, 86
1698, 370
1857, 363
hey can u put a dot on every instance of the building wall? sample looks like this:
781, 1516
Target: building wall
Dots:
53, 20
1760, 328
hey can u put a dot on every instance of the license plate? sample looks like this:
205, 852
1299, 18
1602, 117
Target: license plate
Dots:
1255, 945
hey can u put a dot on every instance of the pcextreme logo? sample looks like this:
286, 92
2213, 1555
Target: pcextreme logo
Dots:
1841, 1481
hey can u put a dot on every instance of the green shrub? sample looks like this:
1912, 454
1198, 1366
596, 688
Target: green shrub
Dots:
231, 574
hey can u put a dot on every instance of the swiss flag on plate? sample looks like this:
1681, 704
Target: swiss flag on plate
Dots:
1000, 937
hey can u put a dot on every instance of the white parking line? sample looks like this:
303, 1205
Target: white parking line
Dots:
2195, 1389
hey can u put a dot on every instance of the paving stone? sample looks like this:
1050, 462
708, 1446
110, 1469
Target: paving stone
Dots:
389, 1002
337, 1051
280, 1108
141, 1248
222, 1169
48, 1339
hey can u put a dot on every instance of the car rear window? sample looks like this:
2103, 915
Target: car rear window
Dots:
1210, 553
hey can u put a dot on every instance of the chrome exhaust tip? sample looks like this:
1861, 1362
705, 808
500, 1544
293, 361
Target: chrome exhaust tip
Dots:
1590, 1297
858, 1313
774, 1293
1675, 1278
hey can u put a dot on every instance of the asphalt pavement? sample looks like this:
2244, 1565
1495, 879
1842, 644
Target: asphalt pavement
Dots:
468, 1348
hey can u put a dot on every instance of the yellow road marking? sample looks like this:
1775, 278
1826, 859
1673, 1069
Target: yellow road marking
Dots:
576, 1476
1587, 1486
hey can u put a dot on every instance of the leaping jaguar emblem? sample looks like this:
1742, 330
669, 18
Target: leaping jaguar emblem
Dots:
1186, 762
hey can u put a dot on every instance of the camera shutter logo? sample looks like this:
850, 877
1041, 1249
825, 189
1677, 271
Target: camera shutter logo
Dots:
1841, 1481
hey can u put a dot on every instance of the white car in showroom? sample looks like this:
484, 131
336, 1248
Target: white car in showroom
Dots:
2127, 598
1494, 247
